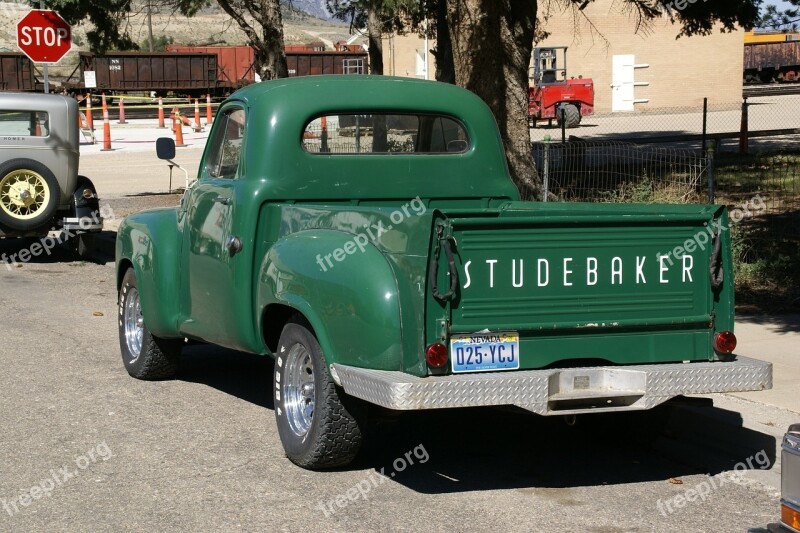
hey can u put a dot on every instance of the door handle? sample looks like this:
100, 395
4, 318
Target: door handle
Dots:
224, 200
233, 244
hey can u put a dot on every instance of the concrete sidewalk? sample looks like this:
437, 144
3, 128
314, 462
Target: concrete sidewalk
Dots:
139, 135
777, 340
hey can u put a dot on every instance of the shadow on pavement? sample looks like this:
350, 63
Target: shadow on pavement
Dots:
245, 376
51, 250
490, 448
782, 324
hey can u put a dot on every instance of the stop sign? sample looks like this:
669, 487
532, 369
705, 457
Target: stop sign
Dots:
43, 36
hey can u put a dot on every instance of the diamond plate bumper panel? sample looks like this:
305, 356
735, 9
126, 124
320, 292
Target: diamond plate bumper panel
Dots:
556, 391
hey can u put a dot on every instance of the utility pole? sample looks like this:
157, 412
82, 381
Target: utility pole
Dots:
149, 26
45, 71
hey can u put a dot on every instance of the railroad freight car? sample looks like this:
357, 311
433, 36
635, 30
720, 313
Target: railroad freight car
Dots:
312, 63
17, 73
234, 63
189, 74
237, 63
772, 62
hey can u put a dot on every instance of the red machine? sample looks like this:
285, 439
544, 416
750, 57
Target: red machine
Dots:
552, 95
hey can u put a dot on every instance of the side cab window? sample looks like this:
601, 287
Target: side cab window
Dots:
225, 147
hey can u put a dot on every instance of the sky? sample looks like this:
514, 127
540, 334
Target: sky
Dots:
779, 3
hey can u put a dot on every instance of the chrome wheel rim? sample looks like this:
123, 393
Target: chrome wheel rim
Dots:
23, 194
298, 389
133, 323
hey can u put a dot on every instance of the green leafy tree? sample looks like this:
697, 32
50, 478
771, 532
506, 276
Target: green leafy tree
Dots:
261, 21
378, 17
266, 36
107, 17
781, 19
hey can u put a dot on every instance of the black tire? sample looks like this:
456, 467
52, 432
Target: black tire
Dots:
39, 182
571, 115
148, 357
81, 245
332, 434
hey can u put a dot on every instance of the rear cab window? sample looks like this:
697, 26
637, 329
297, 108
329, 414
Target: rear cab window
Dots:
385, 133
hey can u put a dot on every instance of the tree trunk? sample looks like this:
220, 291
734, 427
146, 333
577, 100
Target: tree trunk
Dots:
270, 50
445, 70
374, 42
492, 42
270, 58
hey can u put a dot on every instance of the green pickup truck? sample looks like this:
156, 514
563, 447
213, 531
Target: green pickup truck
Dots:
364, 232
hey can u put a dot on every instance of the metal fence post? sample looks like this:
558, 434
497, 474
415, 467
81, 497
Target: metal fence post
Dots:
546, 174
710, 172
743, 134
705, 122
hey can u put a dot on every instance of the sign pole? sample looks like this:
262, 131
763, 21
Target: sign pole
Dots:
45, 69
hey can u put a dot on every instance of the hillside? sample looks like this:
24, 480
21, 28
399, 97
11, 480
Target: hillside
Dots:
211, 25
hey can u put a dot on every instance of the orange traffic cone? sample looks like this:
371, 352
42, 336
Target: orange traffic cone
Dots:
89, 119
106, 128
197, 127
122, 111
178, 125
208, 109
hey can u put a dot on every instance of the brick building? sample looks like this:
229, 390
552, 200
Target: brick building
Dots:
632, 71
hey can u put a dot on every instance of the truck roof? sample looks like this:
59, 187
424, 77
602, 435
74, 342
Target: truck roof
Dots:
285, 108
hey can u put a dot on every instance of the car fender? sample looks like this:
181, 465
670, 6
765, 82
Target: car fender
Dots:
84, 215
149, 242
352, 303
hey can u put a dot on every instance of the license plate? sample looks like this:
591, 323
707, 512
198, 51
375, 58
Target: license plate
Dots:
484, 352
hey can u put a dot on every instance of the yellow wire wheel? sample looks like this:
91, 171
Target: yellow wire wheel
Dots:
28, 194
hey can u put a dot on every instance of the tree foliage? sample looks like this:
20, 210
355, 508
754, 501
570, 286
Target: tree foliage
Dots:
265, 34
107, 17
379, 17
781, 19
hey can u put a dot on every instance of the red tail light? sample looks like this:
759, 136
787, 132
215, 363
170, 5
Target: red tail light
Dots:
436, 355
725, 342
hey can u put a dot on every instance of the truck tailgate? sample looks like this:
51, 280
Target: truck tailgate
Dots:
624, 284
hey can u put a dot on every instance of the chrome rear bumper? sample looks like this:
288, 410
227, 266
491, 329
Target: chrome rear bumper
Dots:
555, 391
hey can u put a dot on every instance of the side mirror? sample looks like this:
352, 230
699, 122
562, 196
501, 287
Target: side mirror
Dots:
165, 148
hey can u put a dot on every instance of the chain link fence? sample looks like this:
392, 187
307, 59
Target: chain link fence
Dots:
686, 125
611, 171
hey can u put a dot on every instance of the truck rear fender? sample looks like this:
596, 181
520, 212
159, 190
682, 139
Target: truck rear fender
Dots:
148, 242
352, 303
